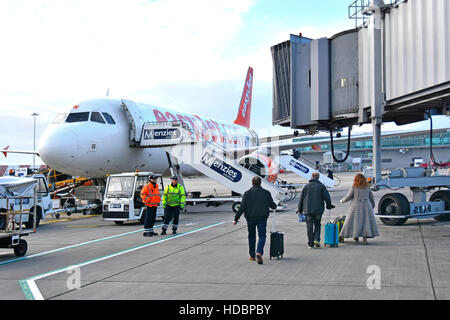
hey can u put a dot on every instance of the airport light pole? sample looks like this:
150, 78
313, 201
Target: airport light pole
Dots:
34, 115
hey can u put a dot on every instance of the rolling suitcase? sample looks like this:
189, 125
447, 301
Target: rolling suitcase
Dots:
340, 223
276, 244
331, 233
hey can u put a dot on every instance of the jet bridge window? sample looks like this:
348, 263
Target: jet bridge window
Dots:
96, 117
78, 117
108, 118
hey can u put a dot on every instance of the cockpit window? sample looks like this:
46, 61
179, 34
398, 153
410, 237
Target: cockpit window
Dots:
78, 117
108, 118
96, 117
59, 118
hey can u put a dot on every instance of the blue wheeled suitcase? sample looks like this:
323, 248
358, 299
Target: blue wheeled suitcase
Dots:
331, 234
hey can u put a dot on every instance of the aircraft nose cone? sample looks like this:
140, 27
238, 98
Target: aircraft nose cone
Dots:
57, 145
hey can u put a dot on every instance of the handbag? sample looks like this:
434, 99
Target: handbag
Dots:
301, 217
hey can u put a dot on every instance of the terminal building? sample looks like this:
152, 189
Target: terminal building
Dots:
396, 151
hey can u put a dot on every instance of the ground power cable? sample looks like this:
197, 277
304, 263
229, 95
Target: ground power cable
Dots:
348, 146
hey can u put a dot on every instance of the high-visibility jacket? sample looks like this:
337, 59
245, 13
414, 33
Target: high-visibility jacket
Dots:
174, 196
150, 195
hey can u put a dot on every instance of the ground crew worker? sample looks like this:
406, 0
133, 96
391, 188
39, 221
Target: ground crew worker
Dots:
174, 200
150, 197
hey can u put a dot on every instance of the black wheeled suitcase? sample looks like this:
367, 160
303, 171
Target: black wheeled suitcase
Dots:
276, 244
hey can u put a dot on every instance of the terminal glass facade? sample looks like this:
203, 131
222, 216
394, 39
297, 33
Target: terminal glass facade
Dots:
439, 139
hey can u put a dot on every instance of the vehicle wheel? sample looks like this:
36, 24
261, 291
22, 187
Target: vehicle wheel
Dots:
236, 207
336, 180
57, 216
21, 249
29, 224
2, 220
118, 222
442, 195
393, 204
99, 209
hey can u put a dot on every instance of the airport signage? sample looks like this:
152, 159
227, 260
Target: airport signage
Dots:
161, 134
299, 166
221, 167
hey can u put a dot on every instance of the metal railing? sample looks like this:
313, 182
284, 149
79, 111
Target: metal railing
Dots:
357, 10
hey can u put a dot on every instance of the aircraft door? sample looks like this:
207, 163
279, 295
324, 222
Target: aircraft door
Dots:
136, 119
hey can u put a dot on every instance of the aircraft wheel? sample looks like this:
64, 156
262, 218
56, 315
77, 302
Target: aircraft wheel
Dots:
442, 195
393, 204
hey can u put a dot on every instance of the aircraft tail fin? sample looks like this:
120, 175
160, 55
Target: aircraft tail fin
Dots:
245, 107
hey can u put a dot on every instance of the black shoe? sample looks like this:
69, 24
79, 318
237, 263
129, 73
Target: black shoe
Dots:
174, 231
163, 232
259, 258
147, 234
153, 233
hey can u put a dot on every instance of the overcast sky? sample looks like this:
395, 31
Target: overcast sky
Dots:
188, 55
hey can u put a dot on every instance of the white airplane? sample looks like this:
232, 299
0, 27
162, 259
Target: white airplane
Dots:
93, 140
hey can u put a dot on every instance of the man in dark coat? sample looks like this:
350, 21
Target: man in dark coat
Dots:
311, 204
255, 207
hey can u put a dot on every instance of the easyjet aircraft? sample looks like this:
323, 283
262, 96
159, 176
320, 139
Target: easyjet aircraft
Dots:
94, 138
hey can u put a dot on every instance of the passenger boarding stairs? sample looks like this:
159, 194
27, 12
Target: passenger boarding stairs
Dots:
209, 158
303, 169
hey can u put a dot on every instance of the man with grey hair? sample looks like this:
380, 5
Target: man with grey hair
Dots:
311, 204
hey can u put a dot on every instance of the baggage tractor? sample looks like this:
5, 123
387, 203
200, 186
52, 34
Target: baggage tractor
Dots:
276, 244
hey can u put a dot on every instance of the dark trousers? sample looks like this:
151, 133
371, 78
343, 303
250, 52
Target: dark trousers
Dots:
169, 214
261, 225
313, 227
150, 217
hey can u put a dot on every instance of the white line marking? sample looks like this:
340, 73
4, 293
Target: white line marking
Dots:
37, 294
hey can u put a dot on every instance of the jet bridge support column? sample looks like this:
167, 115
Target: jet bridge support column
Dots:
377, 97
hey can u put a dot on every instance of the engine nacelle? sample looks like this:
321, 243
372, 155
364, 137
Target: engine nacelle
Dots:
262, 165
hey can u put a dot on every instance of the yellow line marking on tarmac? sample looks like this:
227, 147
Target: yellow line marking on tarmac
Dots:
81, 226
68, 219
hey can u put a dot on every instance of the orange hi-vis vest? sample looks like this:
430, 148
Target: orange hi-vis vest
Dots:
150, 195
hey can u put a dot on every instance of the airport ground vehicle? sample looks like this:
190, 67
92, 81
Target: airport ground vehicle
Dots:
44, 204
41, 206
122, 201
395, 209
13, 194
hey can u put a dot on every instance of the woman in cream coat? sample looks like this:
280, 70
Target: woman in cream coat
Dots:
360, 221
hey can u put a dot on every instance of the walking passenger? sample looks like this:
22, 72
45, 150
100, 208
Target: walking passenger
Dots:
150, 197
360, 221
255, 207
174, 200
311, 204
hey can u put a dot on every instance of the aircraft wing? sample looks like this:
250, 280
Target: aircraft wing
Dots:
6, 151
